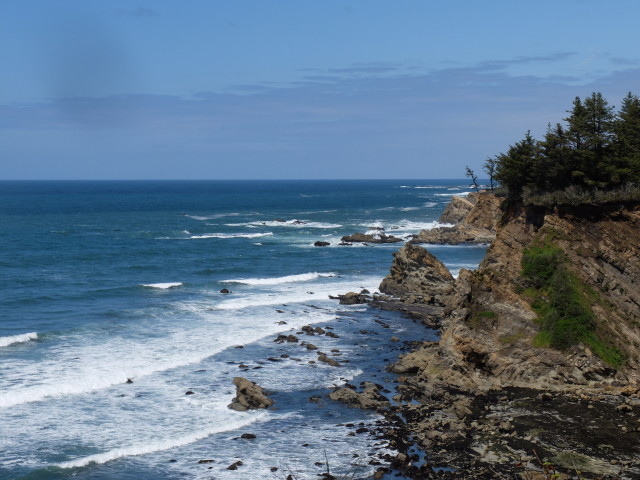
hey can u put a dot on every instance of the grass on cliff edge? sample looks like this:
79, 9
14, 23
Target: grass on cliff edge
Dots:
562, 301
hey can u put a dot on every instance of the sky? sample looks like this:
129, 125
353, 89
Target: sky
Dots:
296, 89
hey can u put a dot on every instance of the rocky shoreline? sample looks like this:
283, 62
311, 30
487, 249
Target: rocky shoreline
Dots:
483, 402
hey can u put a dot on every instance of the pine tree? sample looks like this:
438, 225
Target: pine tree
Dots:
514, 169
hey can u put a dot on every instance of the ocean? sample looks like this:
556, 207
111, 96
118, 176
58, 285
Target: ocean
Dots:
118, 351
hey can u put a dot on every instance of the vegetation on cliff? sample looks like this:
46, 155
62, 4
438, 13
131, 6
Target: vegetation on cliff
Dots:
598, 149
562, 301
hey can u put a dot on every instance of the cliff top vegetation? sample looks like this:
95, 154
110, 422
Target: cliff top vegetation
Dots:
593, 158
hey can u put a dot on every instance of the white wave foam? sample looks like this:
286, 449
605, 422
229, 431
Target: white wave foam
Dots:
242, 420
404, 226
295, 223
453, 194
232, 235
212, 217
303, 277
163, 286
10, 340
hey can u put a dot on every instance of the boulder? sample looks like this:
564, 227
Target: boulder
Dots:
321, 244
328, 360
249, 395
352, 298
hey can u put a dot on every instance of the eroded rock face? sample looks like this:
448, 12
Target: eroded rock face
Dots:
478, 225
249, 396
489, 326
415, 271
457, 209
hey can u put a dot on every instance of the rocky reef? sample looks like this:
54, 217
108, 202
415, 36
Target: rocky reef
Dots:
509, 390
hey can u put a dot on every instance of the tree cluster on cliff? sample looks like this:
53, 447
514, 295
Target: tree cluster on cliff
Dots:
598, 148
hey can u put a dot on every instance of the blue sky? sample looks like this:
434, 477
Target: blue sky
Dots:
296, 89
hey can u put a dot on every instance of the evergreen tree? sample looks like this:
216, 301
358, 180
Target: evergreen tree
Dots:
627, 142
514, 169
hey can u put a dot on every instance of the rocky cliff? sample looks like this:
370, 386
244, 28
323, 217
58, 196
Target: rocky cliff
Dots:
495, 396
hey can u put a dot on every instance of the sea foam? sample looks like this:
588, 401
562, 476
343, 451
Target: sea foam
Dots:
232, 235
303, 277
12, 339
240, 420
163, 286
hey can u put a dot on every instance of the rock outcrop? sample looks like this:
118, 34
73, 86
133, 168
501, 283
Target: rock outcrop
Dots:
249, 396
369, 398
416, 272
458, 208
489, 330
475, 219
488, 398
373, 235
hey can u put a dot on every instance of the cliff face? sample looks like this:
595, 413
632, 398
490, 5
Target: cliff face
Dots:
490, 332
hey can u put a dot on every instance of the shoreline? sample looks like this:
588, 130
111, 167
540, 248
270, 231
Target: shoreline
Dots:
469, 423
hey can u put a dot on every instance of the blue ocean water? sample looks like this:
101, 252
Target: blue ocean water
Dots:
101, 282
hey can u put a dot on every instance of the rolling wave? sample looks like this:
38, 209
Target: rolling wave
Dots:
12, 339
303, 277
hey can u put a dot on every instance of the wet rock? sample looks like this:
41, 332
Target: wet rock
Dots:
374, 235
352, 298
249, 396
248, 436
235, 465
321, 244
225, 291
329, 361
370, 398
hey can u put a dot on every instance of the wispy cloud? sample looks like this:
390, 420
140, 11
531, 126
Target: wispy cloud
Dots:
344, 123
143, 12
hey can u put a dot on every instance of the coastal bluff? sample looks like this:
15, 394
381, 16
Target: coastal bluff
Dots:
526, 371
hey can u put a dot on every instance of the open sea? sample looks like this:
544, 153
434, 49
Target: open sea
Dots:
101, 282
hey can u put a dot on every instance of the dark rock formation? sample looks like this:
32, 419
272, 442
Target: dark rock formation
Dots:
374, 235
320, 243
249, 396
370, 398
352, 298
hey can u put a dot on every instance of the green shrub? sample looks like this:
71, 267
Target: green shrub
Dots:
563, 302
